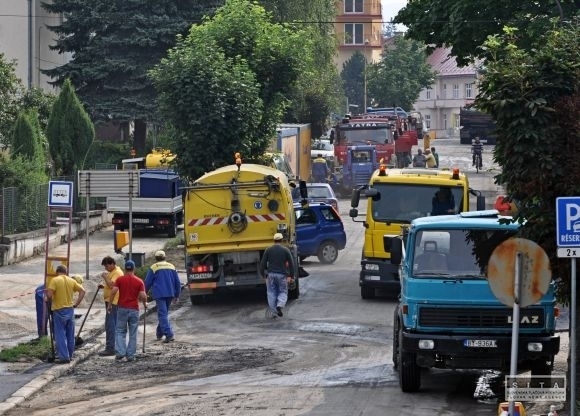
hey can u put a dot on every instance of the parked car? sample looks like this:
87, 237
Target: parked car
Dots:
319, 232
319, 192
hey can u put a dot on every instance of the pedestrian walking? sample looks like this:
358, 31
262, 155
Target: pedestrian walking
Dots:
130, 290
319, 169
276, 264
59, 292
165, 286
436, 156
112, 273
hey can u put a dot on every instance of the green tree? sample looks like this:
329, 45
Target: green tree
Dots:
224, 87
465, 24
317, 90
534, 96
10, 85
400, 75
27, 138
114, 43
353, 80
70, 132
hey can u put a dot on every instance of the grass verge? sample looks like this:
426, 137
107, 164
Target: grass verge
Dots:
39, 348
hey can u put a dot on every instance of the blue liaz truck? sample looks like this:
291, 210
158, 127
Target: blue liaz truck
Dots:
447, 316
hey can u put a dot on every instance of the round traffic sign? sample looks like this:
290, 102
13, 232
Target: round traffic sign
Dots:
535, 272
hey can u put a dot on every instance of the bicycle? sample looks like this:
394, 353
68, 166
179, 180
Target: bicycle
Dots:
478, 162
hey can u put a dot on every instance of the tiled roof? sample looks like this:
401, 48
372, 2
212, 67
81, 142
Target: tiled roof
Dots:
444, 63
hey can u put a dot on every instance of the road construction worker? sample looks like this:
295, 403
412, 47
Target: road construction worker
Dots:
319, 169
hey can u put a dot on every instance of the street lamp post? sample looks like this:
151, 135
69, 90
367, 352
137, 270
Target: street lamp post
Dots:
365, 76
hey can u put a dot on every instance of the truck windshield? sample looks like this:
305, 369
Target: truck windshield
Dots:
457, 254
376, 135
404, 202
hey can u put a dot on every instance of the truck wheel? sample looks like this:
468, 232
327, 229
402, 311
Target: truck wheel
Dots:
172, 230
327, 252
293, 294
367, 292
198, 300
409, 371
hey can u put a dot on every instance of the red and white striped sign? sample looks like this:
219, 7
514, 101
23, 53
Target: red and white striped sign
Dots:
196, 222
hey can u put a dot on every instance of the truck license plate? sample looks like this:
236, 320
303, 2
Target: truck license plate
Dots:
201, 275
480, 343
140, 221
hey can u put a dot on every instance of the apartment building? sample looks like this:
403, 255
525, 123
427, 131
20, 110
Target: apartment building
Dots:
454, 87
24, 38
358, 27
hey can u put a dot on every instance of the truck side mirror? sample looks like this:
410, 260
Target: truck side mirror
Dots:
303, 189
396, 251
355, 199
480, 202
353, 213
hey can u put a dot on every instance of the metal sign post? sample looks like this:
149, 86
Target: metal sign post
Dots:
568, 241
515, 325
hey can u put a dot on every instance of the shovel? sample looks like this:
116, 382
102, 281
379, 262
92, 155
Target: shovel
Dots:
144, 325
52, 356
78, 340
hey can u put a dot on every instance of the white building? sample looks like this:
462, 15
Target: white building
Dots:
24, 38
454, 88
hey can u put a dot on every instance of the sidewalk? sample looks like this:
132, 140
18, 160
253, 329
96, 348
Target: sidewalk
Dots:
18, 311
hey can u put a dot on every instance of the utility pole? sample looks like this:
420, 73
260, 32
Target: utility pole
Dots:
365, 76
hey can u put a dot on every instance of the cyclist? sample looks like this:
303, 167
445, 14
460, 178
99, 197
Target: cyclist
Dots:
477, 149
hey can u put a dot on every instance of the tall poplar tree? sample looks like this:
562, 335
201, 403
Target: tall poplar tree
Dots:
70, 132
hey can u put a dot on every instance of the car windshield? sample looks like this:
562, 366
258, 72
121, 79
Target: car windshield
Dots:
404, 203
455, 254
319, 192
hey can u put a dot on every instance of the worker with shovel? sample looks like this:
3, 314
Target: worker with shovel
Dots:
60, 292
131, 290
109, 277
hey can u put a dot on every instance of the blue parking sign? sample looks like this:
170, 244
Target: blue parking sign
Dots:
568, 221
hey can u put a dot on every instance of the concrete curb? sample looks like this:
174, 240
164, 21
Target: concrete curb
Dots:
93, 345
52, 373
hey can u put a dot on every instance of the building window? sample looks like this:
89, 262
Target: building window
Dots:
428, 121
456, 120
469, 90
444, 92
353, 6
428, 95
444, 121
353, 34
455, 90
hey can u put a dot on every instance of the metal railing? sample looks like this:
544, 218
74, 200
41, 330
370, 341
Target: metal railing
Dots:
25, 209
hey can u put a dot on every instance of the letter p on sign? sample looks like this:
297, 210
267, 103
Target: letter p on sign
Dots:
572, 215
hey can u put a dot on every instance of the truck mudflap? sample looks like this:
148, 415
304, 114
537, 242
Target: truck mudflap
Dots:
472, 351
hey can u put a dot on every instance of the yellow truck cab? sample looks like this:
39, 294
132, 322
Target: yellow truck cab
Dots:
230, 217
395, 198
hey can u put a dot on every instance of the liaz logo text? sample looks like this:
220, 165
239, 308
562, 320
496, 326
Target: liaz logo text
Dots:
530, 320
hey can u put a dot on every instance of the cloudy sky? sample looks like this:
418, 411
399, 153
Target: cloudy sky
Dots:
391, 8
